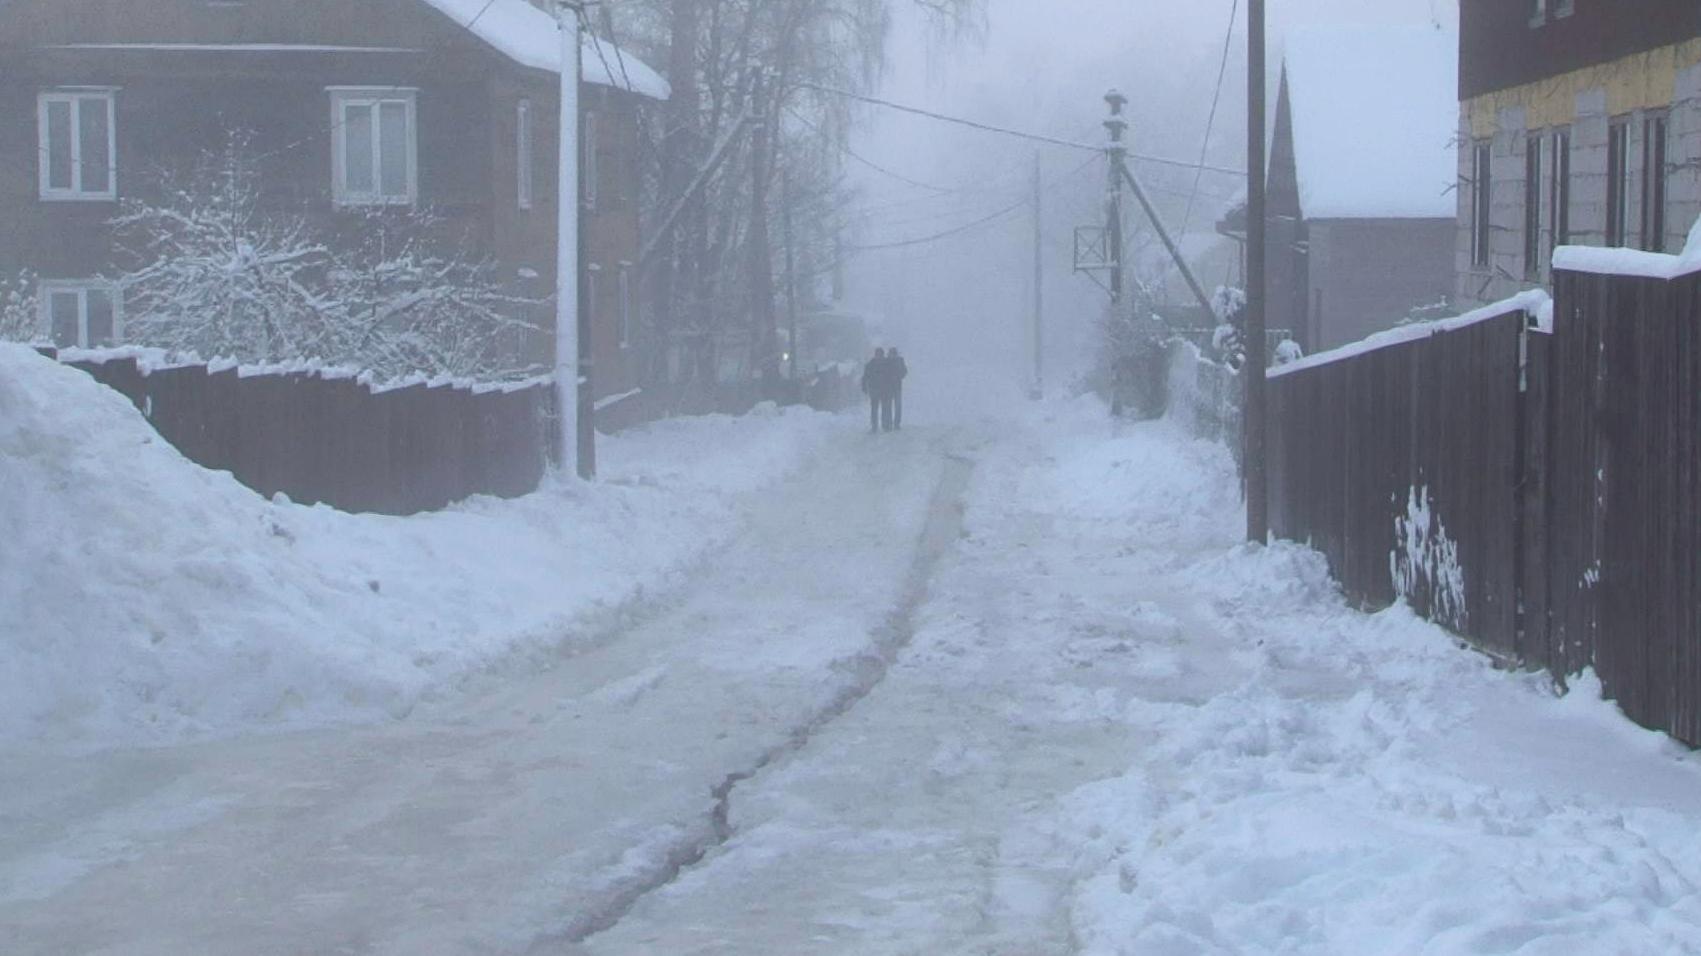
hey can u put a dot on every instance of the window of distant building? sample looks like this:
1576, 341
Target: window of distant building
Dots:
81, 314
1538, 12
592, 170
78, 145
375, 147
524, 144
625, 337
1618, 183
1559, 189
1533, 246
1481, 205
1654, 182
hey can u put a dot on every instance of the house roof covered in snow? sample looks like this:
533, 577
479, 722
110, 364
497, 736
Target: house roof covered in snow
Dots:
1375, 114
529, 37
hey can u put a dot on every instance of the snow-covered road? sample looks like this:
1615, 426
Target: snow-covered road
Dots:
979, 689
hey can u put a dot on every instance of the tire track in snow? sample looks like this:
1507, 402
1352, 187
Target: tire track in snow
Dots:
943, 528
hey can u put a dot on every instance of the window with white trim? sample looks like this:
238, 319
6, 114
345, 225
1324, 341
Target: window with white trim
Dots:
625, 305
374, 147
78, 141
593, 293
591, 171
525, 139
79, 314
1482, 201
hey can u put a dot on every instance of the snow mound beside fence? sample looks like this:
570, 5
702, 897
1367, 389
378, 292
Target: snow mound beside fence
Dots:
144, 598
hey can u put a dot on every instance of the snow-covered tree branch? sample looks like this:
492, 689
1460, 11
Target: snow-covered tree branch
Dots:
213, 270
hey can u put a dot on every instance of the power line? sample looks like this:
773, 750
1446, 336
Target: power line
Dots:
871, 164
1006, 131
966, 227
924, 240
1210, 124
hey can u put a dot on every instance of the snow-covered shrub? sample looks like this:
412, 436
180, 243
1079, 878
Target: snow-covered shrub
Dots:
1130, 361
19, 319
1288, 352
208, 271
411, 299
214, 268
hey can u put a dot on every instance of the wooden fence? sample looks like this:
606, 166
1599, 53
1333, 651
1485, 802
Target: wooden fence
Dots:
1539, 494
330, 439
327, 438
1401, 465
1623, 498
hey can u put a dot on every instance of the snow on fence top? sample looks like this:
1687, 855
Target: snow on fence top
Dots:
530, 37
1632, 262
1532, 302
1374, 121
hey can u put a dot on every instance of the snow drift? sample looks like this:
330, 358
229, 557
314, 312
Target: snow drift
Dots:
145, 598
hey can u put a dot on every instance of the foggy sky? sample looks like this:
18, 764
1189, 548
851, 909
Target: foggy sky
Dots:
1044, 65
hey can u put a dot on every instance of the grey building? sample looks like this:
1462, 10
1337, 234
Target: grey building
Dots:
1579, 124
1361, 179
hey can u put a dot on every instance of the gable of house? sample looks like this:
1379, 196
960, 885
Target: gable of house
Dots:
1374, 118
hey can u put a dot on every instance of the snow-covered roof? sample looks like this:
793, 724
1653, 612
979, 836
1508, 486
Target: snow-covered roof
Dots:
1375, 115
530, 37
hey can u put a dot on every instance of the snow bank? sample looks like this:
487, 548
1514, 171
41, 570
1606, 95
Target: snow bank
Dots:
145, 598
1317, 780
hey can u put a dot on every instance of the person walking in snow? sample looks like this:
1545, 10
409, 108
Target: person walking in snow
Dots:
874, 379
900, 370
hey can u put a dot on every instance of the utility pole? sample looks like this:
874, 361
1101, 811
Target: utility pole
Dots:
761, 255
1039, 285
791, 276
1117, 152
572, 339
1257, 500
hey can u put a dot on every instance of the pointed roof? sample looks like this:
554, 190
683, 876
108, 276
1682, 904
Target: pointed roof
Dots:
1375, 119
530, 37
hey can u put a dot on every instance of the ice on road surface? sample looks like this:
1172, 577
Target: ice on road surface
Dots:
1008, 689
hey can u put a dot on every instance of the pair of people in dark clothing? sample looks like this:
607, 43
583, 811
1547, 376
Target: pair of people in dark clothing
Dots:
883, 383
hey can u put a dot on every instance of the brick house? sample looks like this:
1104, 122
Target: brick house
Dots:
351, 104
1579, 124
1360, 181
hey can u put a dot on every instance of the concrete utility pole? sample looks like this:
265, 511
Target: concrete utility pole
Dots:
572, 339
1257, 500
1039, 284
1117, 152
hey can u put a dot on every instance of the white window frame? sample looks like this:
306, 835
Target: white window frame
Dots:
74, 96
625, 314
343, 97
592, 168
47, 288
525, 142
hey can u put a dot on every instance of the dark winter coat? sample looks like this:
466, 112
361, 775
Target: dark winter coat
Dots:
898, 369
878, 377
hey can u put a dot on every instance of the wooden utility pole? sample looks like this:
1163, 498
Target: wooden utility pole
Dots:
1257, 500
761, 253
572, 328
1117, 152
1039, 284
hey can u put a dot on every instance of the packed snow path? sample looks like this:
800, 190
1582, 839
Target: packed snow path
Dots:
536, 811
1086, 722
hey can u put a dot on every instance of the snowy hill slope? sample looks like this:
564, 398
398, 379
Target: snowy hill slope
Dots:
145, 598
